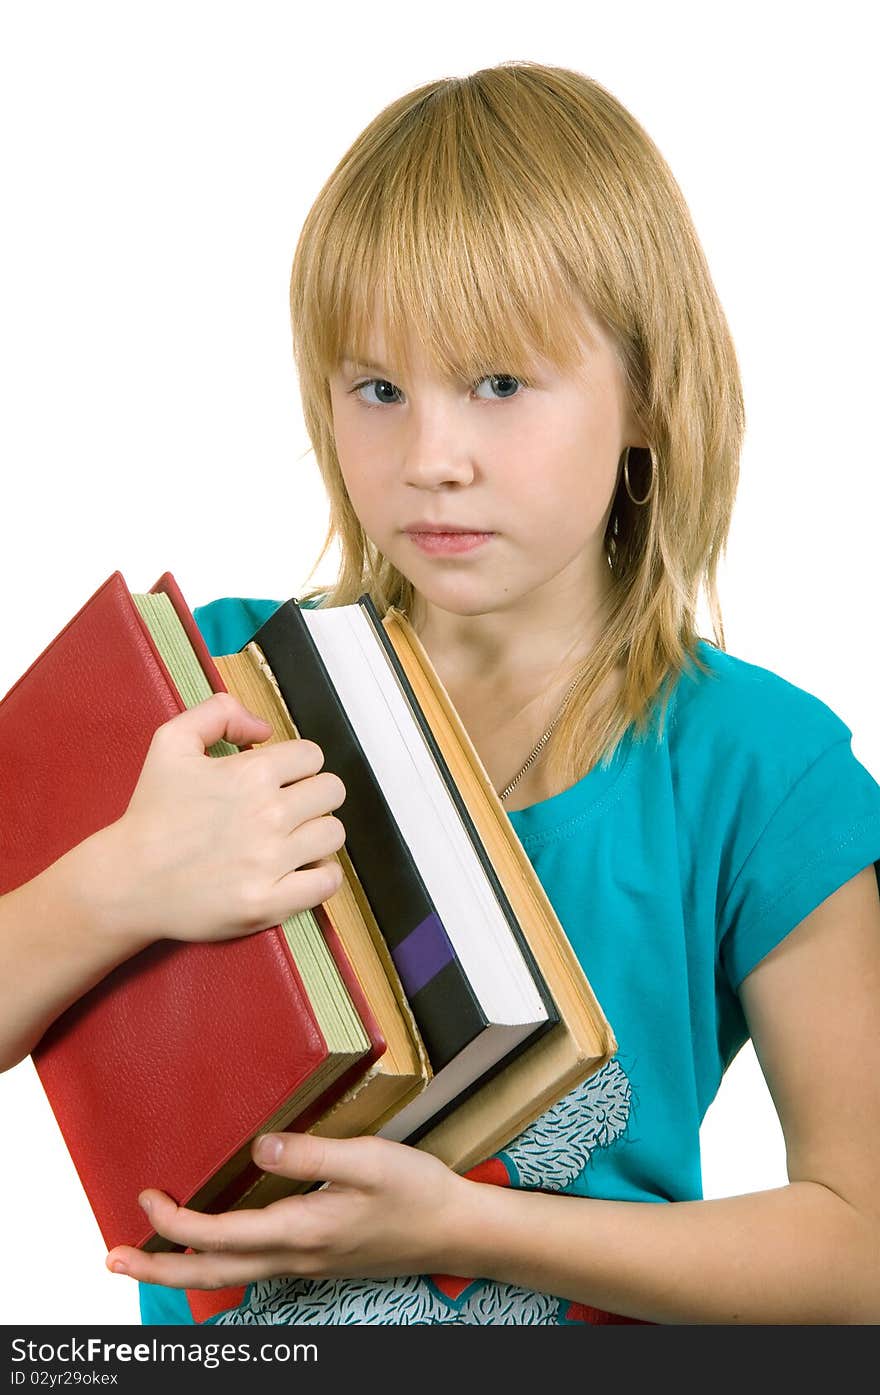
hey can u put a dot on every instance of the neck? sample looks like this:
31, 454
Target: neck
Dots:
532, 635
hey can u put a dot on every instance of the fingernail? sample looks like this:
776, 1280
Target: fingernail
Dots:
145, 1203
118, 1267
268, 1148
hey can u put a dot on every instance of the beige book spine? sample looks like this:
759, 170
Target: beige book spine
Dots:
583, 1041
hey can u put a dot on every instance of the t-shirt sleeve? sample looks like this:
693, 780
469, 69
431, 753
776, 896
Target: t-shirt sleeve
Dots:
229, 623
824, 830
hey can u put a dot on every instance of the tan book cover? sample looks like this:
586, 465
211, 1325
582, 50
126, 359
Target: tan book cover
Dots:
582, 1041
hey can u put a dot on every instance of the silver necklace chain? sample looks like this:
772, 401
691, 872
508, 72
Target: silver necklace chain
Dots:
542, 743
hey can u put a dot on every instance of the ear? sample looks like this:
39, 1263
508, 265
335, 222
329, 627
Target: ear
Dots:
633, 433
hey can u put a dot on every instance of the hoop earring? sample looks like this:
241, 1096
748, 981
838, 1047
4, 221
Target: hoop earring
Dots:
650, 492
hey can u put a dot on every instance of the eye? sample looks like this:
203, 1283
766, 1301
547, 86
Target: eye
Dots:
504, 382
379, 383
501, 382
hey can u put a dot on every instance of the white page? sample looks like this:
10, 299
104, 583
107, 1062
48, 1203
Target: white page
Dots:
421, 804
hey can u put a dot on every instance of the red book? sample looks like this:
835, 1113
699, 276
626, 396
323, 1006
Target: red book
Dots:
164, 1071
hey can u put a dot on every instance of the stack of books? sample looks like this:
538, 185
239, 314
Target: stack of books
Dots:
433, 999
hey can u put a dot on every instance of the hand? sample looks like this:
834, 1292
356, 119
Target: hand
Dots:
387, 1210
212, 847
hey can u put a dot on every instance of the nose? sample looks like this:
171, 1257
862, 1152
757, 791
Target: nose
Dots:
436, 454
437, 472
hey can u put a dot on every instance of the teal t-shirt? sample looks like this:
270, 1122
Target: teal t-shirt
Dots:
673, 873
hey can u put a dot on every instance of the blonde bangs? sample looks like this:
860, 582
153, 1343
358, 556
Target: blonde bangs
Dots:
451, 243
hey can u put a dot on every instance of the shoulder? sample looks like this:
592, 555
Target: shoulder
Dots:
775, 800
228, 623
741, 713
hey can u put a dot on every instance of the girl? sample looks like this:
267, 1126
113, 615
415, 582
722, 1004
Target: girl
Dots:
525, 403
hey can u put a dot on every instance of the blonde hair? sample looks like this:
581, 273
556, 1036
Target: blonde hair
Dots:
480, 215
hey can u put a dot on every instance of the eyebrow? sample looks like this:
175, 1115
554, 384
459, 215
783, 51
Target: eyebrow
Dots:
361, 362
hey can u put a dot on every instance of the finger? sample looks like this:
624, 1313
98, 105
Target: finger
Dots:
205, 1271
354, 1162
290, 760
304, 887
191, 732
231, 1232
313, 840
313, 796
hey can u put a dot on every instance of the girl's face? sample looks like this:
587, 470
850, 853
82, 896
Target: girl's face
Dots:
528, 469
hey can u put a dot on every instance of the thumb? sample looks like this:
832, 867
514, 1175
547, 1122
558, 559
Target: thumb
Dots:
219, 717
351, 1162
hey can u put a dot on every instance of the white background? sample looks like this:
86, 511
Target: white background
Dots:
157, 163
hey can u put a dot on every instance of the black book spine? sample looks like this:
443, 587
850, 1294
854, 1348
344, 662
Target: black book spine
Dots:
454, 792
443, 1003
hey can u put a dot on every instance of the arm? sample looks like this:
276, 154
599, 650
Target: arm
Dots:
207, 849
808, 1252
805, 1253
60, 933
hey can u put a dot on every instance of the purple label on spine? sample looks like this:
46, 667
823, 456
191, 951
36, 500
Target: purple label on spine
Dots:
422, 954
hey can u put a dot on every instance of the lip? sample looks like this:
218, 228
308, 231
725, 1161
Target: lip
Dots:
421, 526
437, 541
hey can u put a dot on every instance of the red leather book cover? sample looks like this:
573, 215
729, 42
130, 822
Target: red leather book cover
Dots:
251, 1172
162, 1070
378, 1045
